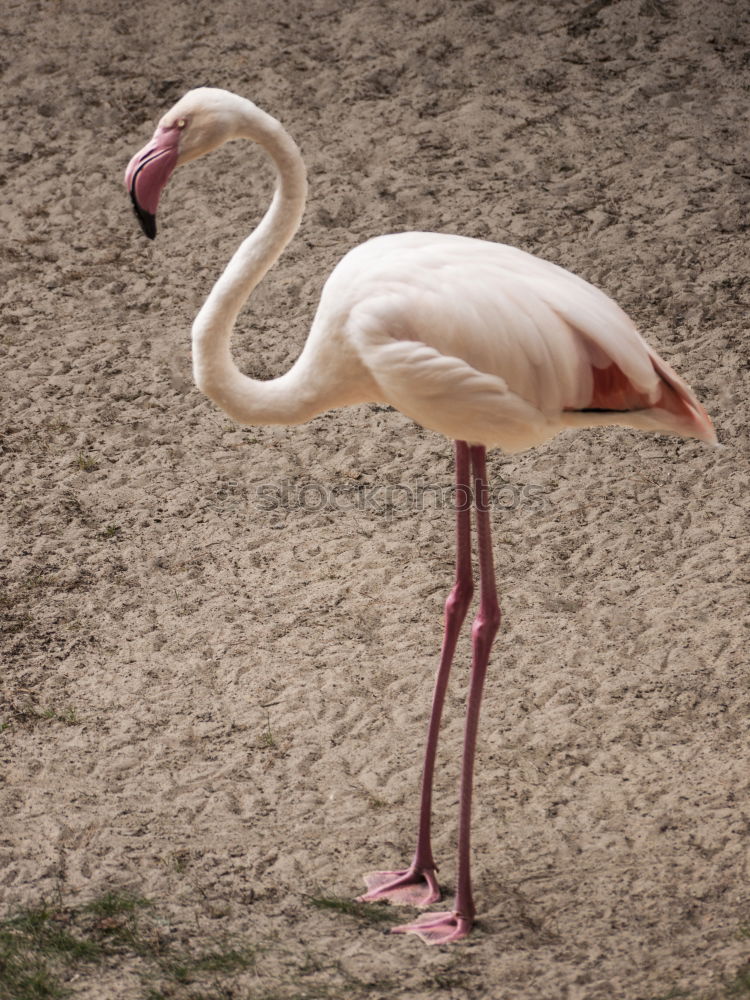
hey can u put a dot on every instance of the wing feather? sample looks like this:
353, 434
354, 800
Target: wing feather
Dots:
441, 391
452, 327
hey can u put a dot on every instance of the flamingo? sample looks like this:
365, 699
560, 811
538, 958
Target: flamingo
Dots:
485, 343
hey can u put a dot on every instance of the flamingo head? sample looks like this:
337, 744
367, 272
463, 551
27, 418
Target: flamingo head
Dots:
200, 121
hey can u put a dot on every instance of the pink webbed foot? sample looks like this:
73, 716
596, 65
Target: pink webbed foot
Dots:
437, 928
411, 887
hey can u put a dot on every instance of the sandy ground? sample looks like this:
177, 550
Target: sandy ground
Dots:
215, 694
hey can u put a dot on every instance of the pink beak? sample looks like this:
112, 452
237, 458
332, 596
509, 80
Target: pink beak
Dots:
148, 172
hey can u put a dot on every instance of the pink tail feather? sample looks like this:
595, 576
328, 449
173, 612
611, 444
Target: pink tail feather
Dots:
675, 409
679, 399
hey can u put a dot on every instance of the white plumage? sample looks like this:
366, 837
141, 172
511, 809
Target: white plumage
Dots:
482, 342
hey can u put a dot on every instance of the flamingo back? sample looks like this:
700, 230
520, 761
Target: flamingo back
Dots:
487, 343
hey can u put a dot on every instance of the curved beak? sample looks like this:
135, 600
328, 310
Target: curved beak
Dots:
148, 172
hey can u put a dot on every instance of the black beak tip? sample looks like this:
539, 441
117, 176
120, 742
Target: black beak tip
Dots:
148, 224
146, 219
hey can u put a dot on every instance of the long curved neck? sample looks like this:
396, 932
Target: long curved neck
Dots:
246, 400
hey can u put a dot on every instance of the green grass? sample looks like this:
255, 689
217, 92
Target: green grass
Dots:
86, 463
371, 913
42, 947
25, 712
740, 985
45, 948
34, 944
67, 715
266, 741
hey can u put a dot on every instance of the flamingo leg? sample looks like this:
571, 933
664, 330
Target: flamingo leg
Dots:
417, 884
442, 928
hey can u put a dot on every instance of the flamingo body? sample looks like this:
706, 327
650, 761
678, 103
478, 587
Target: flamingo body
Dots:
489, 344
479, 341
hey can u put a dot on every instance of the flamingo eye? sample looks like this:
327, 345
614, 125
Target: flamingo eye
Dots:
181, 123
